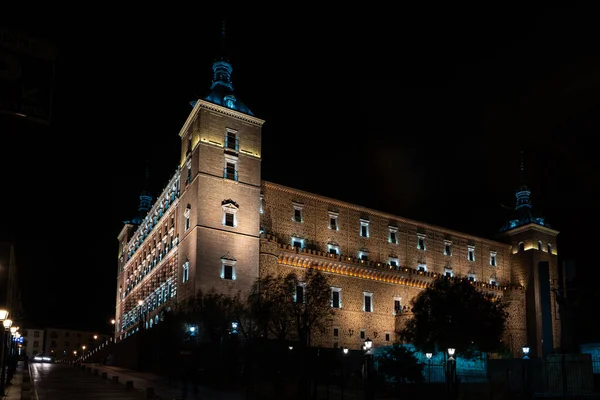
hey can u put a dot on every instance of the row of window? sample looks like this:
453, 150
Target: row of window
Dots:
227, 270
393, 261
362, 334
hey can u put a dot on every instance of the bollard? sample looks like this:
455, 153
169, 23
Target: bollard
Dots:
149, 392
129, 385
115, 378
104, 375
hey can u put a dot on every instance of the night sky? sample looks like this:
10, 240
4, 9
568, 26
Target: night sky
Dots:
419, 113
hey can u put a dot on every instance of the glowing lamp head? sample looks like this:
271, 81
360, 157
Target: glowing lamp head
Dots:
7, 323
368, 344
345, 350
140, 302
428, 355
3, 314
526, 350
112, 321
13, 329
451, 352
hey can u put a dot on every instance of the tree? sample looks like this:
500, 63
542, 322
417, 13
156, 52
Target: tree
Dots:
284, 306
453, 313
400, 364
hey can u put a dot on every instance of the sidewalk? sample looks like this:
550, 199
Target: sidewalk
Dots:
13, 390
156, 386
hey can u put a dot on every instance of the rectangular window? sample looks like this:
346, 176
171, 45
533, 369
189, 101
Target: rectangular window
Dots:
363, 255
186, 272
368, 302
300, 293
448, 273
333, 223
228, 269
394, 263
397, 306
393, 238
187, 222
493, 259
421, 242
229, 219
336, 297
422, 268
228, 272
471, 253
298, 215
333, 249
297, 243
230, 171
364, 227
447, 248
336, 332
363, 334
231, 141
387, 336
471, 277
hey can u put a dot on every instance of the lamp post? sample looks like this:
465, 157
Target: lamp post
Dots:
369, 392
344, 353
429, 355
451, 373
526, 370
7, 323
82, 353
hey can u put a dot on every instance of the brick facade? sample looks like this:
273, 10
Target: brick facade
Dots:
184, 242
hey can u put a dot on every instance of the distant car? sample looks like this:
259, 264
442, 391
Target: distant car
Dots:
42, 358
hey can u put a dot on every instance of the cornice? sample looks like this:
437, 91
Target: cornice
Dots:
382, 214
219, 109
530, 227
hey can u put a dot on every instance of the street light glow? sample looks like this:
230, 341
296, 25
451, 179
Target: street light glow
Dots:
428, 355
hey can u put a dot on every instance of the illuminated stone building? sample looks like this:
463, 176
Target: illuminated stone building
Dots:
217, 224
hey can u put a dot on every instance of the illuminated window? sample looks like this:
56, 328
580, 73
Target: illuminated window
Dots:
297, 242
540, 245
230, 209
228, 268
298, 210
471, 277
447, 248
364, 227
394, 263
363, 255
230, 171
367, 302
421, 242
231, 140
493, 282
493, 258
448, 273
185, 276
188, 178
300, 295
333, 220
471, 253
336, 297
397, 305
186, 214
333, 249
393, 238
422, 268
550, 248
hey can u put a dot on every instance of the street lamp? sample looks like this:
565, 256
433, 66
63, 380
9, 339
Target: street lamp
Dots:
451, 352
451, 372
7, 323
112, 321
429, 355
95, 337
369, 368
525, 352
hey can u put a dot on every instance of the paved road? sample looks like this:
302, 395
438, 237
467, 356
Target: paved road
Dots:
63, 382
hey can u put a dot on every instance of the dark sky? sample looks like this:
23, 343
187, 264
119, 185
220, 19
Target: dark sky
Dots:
420, 113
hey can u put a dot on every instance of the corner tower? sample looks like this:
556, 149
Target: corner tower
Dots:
534, 263
219, 209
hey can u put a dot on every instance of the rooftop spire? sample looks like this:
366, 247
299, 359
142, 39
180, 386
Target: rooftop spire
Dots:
221, 89
145, 198
523, 194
